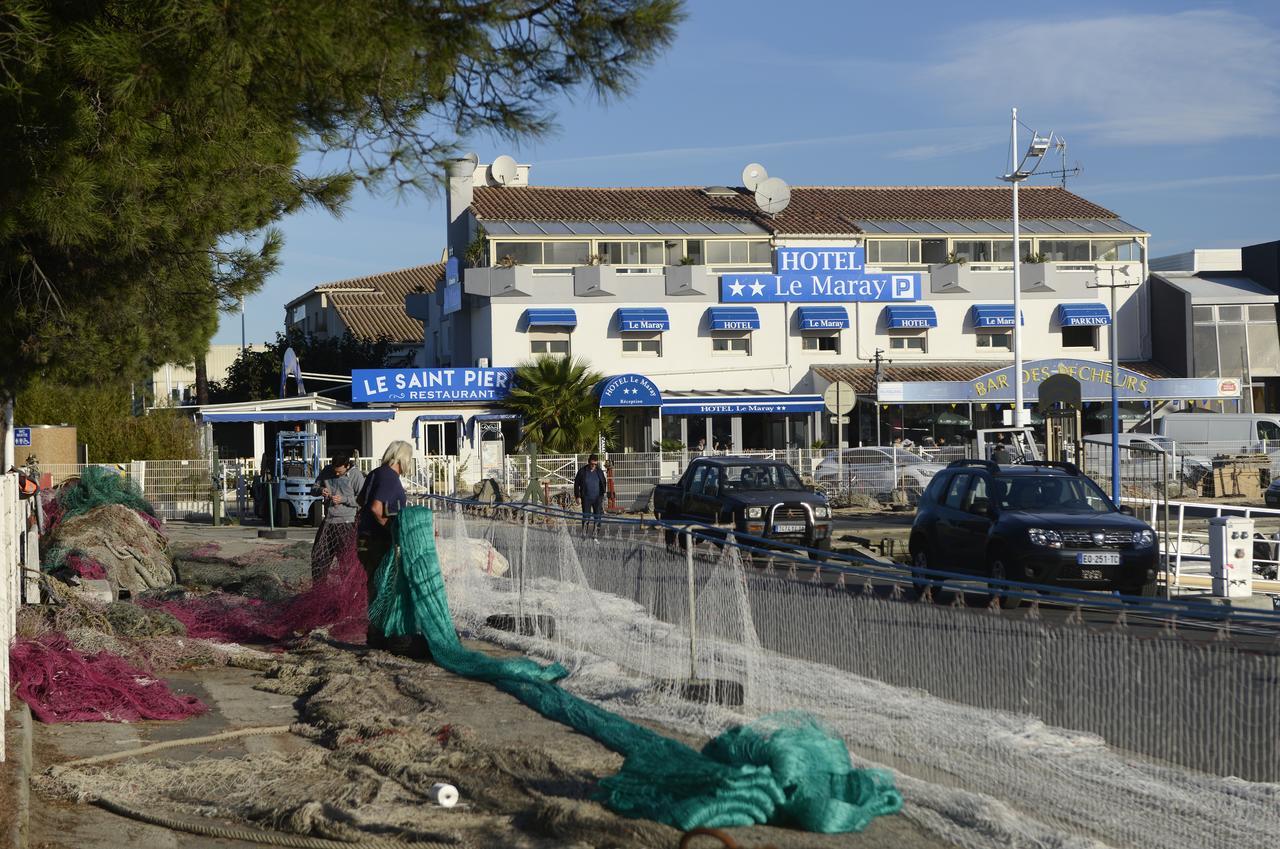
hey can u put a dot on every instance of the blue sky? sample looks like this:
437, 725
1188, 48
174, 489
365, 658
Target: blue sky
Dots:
1172, 110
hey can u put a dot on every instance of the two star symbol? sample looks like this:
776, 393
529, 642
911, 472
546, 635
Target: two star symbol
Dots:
737, 287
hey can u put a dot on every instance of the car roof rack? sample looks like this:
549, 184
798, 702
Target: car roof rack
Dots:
986, 464
1069, 468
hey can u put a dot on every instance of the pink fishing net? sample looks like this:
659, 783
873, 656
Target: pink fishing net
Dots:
337, 600
86, 567
63, 685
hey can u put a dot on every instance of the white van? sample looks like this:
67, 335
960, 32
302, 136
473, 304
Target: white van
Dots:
1223, 431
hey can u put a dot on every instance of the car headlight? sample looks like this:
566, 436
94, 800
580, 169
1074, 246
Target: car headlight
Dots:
1048, 539
755, 512
1142, 539
927, 473
822, 511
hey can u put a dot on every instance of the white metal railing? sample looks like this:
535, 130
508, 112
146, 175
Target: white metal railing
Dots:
11, 531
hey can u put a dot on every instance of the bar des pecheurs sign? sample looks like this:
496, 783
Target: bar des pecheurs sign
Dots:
1095, 385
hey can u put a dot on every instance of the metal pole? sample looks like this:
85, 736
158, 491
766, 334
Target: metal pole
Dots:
693, 607
1115, 403
1165, 460
1017, 280
243, 346
524, 552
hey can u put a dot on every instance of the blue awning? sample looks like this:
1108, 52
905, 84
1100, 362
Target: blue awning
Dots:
734, 318
994, 315
1091, 314
643, 318
557, 317
378, 415
901, 316
823, 318
728, 405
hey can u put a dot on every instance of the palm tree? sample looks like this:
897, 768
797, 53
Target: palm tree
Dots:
556, 397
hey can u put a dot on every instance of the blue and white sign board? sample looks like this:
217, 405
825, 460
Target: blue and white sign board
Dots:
431, 384
1095, 385
452, 286
819, 275
22, 437
629, 390
735, 405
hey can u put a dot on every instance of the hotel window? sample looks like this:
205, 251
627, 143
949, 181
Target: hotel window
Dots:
1080, 337
913, 342
1127, 250
988, 250
555, 344
893, 251
1000, 340
541, 253
642, 345
732, 346
1065, 250
824, 343
632, 253
933, 251
737, 252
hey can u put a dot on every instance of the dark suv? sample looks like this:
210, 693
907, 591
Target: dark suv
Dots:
1041, 522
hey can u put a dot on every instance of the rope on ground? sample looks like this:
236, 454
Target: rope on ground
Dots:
269, 838
256, 731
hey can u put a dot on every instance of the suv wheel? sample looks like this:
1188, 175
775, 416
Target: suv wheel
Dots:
997, 570
921, 560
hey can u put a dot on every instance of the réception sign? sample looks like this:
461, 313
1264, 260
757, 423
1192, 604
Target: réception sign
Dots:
431, 384
819, 275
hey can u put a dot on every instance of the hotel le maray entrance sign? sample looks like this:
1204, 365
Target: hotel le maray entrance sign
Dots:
819, 275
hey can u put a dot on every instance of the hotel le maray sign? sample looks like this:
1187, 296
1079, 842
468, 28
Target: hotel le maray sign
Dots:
819, 275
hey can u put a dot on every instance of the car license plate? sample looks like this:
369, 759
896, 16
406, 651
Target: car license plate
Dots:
1098, 558
789, 528
1091, 574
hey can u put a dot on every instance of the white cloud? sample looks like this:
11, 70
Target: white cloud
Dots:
1193, 77
1180, 183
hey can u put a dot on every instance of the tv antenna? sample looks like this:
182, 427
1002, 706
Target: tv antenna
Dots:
503, 170
773, 195
1063, 172
753, 175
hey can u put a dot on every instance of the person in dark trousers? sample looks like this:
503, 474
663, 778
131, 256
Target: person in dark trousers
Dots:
338, 484
381, 498
589, 487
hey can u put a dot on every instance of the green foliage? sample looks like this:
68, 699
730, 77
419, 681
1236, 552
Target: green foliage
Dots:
255, 375
105, 423
668, 445
556, 396
149, 146
477, 255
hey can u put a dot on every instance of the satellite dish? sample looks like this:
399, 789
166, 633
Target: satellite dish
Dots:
753, 175
503, 170
773, 195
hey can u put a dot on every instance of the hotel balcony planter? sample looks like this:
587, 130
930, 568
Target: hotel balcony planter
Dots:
515, 281
946, 279
595, 280
690, 280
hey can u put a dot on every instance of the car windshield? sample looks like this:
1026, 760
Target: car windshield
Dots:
1056, 493
760, 476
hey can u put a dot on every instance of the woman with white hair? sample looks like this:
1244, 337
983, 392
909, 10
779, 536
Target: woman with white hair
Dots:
381, 498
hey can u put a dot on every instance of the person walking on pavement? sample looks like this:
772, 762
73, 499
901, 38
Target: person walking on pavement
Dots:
589, 487
381, 498
338, 483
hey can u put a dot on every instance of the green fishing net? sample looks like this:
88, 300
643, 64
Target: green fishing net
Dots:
98, 486
783, 770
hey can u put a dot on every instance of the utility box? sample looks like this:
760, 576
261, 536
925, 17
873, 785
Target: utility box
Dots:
1231, 556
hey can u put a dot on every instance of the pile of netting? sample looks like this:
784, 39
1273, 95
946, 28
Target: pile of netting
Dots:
336, 601
62, 684
790, 772
97, 486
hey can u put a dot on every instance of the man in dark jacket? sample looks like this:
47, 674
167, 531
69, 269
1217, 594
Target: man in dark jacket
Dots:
589, 487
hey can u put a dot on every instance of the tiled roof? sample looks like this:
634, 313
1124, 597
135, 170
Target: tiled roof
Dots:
813, 209
862, 377
372, 307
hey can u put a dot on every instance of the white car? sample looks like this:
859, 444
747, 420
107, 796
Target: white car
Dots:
877, 471
1137, 448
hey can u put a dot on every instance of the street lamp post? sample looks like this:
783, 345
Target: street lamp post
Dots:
1115, 374
1017, 173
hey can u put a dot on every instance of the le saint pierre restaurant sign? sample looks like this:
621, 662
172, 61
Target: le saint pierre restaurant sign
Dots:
431, 384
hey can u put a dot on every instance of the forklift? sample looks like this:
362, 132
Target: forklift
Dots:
288, 487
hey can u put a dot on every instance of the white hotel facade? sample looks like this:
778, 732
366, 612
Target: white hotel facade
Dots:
644, 281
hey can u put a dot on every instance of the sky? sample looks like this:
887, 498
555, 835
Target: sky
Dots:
1170, 109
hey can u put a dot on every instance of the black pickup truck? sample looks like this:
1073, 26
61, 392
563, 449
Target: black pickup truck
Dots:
763, 498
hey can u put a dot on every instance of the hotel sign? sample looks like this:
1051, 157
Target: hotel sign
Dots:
819, 275
1095, 385
431, 384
